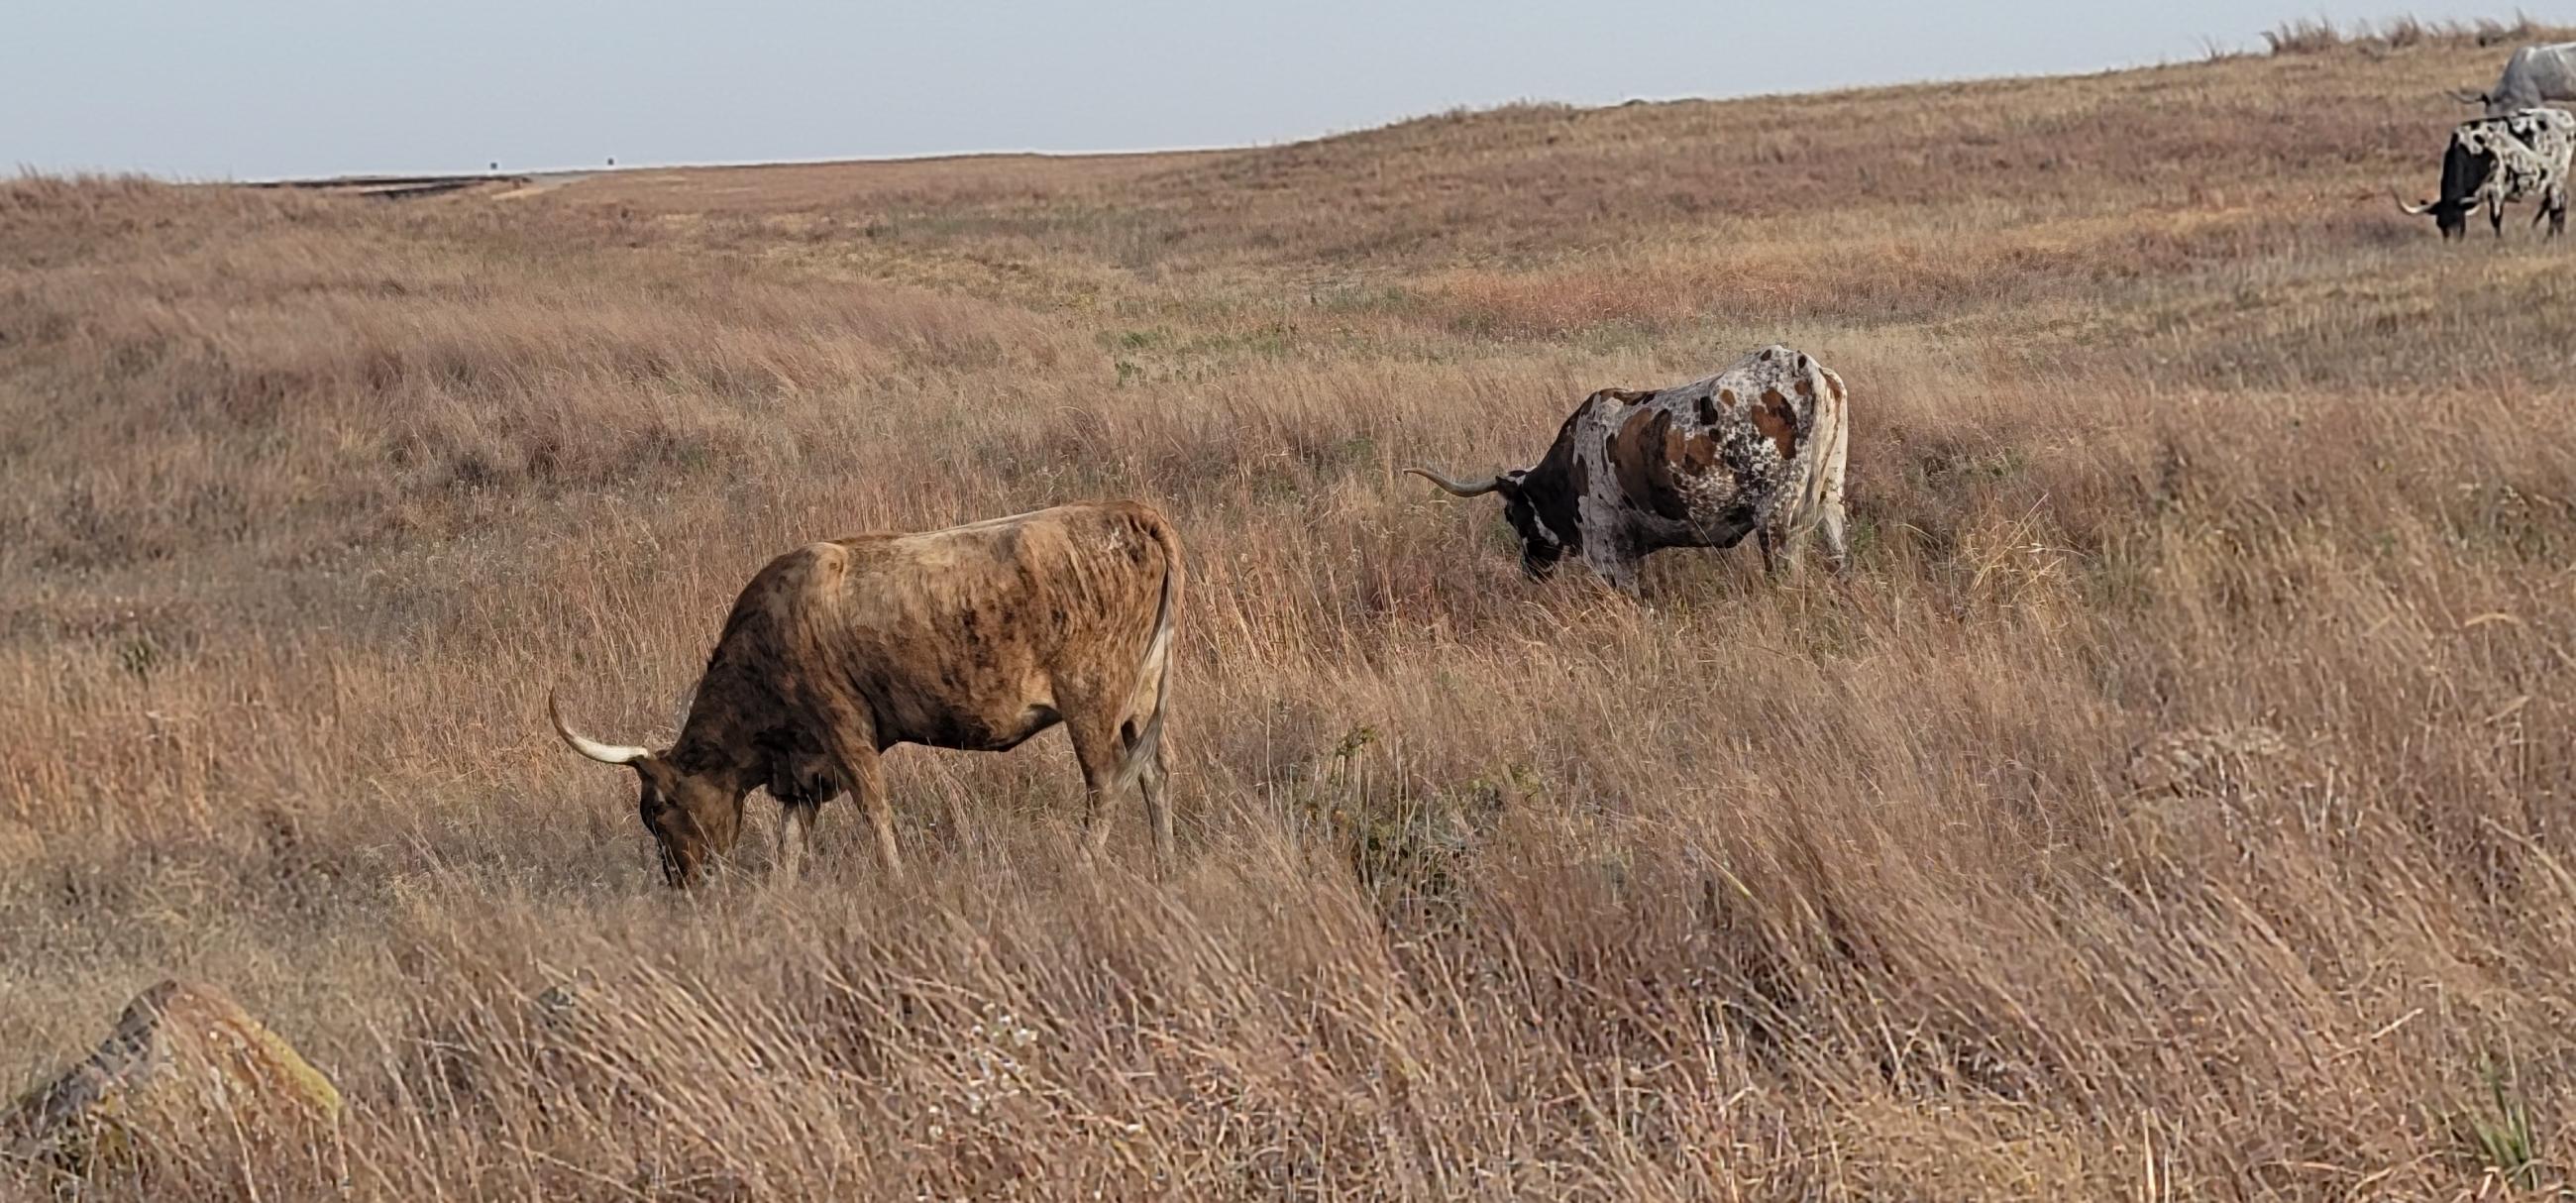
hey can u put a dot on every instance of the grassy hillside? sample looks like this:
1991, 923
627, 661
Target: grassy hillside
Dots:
2175, 803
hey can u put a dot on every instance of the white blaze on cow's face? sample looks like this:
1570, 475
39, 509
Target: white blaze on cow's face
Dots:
1540, 546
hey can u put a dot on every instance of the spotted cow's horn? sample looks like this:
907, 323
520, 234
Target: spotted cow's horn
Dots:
1478, 489
603, 753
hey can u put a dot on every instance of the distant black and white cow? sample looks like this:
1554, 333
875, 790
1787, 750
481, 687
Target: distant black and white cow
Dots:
2494, 160
1756, 449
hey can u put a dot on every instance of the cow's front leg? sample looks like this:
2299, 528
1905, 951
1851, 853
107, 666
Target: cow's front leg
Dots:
796, 835
860, 770
1618, 566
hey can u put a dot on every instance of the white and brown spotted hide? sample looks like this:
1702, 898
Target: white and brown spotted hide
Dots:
1756, 449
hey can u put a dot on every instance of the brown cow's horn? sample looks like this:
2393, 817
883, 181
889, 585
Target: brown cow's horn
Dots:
603, 753
1478, 489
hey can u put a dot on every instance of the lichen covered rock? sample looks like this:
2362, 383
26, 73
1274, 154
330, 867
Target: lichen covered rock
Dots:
187, 1074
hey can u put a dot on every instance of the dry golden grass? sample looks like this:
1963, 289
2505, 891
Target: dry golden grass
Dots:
2175, 805
2317, 35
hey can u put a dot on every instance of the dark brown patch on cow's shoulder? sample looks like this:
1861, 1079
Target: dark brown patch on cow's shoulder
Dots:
1634, 446
1645, 452
1777, 421
1707, 410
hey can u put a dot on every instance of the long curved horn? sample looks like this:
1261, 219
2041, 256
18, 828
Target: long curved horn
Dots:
1478, 489
603, 753
2413, 210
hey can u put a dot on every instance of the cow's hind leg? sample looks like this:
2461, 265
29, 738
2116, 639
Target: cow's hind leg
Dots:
1782, 549
1830, 528
1097, 748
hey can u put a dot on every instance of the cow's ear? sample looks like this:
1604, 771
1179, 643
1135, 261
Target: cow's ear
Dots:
680, 709
658, 773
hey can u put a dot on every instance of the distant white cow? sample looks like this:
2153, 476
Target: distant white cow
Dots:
2534, 76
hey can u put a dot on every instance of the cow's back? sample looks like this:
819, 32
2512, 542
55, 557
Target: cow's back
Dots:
1719, 456
2535, 75
961, 637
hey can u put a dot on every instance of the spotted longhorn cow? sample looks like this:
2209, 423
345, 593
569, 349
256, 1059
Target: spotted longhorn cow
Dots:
1757, 448
973, 638
2495, 160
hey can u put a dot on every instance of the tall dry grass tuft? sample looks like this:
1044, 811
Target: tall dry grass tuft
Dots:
2319, 35
2305, 35
2174, 804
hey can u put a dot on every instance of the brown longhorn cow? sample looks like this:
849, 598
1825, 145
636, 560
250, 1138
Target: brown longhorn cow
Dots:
974, 638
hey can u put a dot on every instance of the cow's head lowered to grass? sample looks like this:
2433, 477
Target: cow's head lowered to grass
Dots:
694, 816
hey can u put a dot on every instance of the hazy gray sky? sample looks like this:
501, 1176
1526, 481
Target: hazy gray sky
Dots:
254, 88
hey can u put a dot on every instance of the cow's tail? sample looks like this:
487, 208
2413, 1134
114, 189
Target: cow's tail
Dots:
1156, 665
1823, 486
